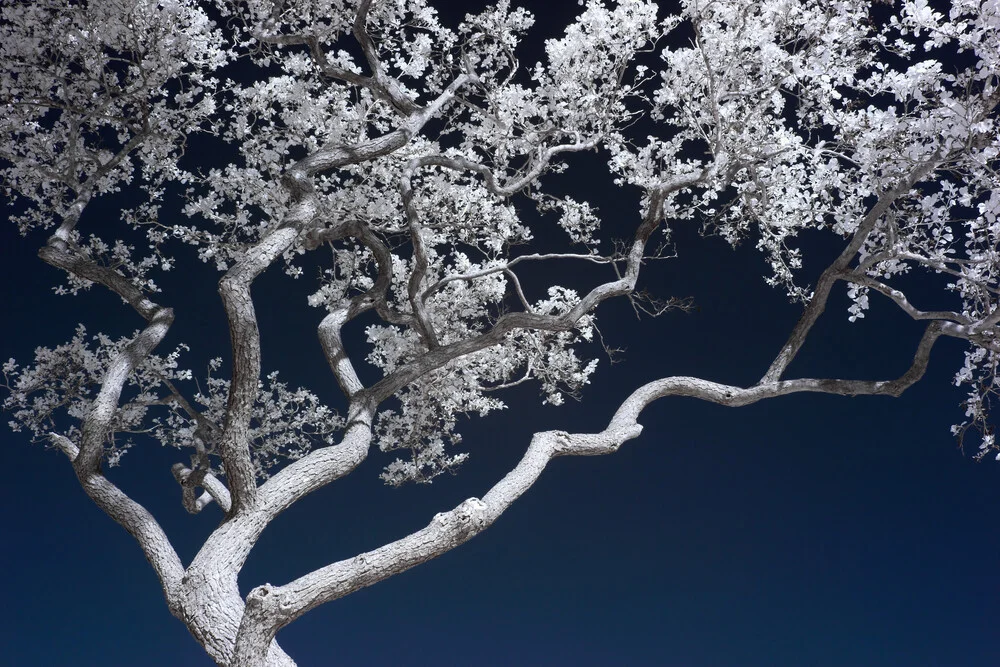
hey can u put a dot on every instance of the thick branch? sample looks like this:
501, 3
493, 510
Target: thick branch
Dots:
270, 608
333, 348
332, 157
86, 459
235, 286
96, 424
320, 466
227, 548
387, 87
136, 520
63, 255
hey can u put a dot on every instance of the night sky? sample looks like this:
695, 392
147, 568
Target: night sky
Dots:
806, 530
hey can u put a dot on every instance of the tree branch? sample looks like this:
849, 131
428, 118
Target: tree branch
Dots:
817, 304
270, 608
388, 87
214, 489
899, 298
235, 286
505, 268
333, 348
64, 255
440, 356
136, 520
244, 334
424, 326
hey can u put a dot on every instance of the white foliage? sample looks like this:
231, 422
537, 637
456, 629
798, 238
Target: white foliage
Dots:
408, 163
782, 118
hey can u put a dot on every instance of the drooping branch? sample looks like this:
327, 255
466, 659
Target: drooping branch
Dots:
66, 256
900, 299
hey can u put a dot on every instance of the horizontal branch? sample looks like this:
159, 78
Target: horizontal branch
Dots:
899, 298
505, 268
270, 608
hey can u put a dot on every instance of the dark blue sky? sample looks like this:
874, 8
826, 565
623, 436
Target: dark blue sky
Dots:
808, 530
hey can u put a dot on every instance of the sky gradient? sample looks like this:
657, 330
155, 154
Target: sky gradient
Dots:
807, 530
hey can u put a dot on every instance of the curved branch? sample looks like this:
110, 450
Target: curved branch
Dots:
86, 458
387, 87
136, 520
333, 348
332, 157
62, 254
214, 489
375, 297
538, 166
899, 298
270, 608
424, 326
440, 356
235, 286
817, 304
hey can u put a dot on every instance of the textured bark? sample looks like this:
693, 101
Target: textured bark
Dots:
269, 608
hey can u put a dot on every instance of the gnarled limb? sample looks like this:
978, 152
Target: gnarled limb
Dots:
244, 334
387, 86
214, 489
86, 458
269, 608
136, 520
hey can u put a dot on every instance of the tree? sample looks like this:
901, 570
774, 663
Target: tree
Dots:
410, 162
